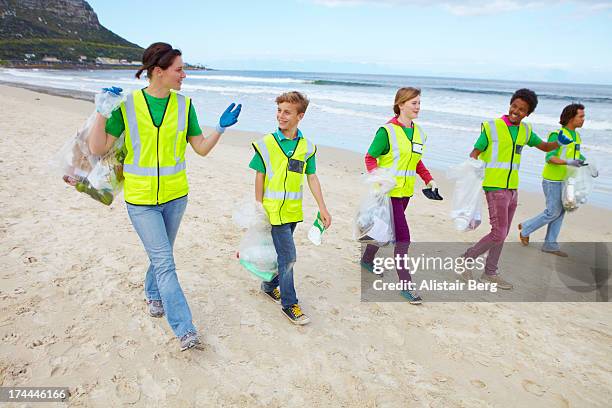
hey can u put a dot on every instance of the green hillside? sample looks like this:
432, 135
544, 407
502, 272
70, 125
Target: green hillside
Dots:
64, 29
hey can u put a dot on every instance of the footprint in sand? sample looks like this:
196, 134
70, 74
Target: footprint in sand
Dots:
127, 350
172, 386
127, 389
316, 282
533, 388
478, 384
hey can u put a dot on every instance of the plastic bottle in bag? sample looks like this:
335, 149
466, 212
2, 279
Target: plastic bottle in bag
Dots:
100, 177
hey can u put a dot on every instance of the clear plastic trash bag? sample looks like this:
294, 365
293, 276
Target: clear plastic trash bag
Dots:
100, 177
374, 221
578, 186
468, 195
256, 251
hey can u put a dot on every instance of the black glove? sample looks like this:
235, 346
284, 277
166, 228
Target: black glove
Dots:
432, 194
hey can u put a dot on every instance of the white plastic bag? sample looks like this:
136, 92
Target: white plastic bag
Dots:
578, 186
467, 196
256, 252
374, 221
100, 177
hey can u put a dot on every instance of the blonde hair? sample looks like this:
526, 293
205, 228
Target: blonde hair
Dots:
296, 98
403, 95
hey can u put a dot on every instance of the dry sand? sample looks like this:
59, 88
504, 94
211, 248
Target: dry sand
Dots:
72, 311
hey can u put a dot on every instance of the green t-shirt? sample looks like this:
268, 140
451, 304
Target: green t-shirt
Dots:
288, 146
380, 144
553, 138
482, 143
115, 125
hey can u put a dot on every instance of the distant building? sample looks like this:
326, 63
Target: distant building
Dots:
82, 58
107, 61
50, 59
30, 56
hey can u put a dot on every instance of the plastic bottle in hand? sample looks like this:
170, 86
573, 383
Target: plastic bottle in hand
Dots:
105, 197
316, 231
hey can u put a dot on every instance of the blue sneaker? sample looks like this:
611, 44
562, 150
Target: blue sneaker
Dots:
370, 268
412, 297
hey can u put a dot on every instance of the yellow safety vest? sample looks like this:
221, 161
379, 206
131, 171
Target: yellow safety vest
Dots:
503, 155
403, 157
558, 172
154, 166
283, 183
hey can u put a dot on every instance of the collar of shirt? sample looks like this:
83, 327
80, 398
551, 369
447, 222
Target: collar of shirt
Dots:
394, 121
506, 119
280, 136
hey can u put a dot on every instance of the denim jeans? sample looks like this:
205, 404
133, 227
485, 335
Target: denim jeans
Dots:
282, 236
157, 226
552, 215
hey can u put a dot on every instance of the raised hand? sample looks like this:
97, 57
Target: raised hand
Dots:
229, 117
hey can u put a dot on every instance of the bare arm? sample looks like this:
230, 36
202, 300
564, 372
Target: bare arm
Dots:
548, 146
556, 160
99, 141
203, 145
475, 153
259, 186
315, 189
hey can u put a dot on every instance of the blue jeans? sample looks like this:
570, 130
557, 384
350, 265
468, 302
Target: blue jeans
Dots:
282, 236
157, 226
552, 215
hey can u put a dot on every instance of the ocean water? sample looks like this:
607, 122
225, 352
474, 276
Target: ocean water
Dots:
346, 109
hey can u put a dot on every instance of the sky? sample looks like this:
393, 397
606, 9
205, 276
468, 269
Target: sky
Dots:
556, 41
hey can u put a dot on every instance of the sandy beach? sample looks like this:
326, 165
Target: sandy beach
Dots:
72, 311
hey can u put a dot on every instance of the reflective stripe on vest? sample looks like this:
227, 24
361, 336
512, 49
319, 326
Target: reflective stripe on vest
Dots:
495, 163
503, 155
558, 172
401, 167
154, 167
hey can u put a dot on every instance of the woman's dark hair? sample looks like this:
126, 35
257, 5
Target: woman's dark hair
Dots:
158, 54
528, 96
569, 112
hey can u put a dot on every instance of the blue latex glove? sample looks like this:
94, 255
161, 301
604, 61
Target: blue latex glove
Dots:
113, 89
229, 117
562, 139
575, 163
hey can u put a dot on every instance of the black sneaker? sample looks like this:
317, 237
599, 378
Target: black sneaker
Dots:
274, 295
294, 313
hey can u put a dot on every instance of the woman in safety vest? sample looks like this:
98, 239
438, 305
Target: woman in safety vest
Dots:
158, 123
398, 147
555, 173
